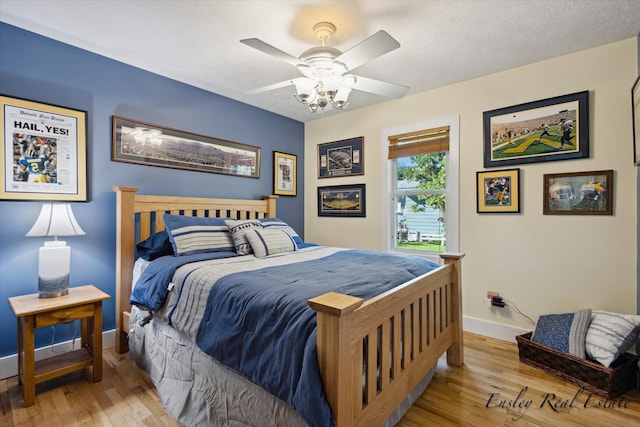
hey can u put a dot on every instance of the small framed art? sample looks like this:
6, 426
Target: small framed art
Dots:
578, 193
341, 158
498, 191
284, 174
342, 201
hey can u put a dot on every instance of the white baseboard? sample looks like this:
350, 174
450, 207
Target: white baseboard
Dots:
9, 364
491, 329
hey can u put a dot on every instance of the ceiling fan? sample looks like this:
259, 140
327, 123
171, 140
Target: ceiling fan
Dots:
325, 69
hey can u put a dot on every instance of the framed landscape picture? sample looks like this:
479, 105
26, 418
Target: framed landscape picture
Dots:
153, 145
498, 191
578, 193
342, 201
540, 131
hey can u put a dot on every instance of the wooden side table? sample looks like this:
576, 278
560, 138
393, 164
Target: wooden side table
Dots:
83, 302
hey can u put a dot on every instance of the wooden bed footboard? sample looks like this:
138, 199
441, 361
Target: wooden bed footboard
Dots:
373, 353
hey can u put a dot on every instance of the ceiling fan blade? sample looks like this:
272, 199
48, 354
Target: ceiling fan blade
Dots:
368, 49
390, 90
272, 86
271, 50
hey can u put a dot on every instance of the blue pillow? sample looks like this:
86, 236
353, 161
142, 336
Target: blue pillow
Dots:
192, 235
157, 245
278, 224
564, 332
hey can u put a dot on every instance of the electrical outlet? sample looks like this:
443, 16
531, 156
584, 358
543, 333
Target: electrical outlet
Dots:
491, 294
488, 302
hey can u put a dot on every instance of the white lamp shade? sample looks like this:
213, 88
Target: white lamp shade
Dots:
56, 219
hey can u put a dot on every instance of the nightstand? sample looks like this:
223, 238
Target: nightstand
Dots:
83, 302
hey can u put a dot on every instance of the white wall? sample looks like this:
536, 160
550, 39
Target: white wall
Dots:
541, 263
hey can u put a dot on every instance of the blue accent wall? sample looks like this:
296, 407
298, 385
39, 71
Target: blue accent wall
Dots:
44, 70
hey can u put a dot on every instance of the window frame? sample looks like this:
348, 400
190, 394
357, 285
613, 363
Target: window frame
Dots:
389, 174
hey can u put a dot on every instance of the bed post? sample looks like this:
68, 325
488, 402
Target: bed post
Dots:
125, 235
271, 205
455, 353
335, 324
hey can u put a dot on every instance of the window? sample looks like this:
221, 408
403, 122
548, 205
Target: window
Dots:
422, 170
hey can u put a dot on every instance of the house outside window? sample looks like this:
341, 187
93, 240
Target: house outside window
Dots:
423, 187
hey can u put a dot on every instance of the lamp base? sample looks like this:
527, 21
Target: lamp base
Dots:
53, 288
53, 269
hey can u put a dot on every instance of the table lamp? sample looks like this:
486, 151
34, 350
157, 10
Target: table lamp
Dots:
54, 258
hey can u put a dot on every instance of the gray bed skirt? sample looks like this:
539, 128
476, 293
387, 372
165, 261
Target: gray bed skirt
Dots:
198, 391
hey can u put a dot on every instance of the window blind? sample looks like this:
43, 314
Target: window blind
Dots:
426, 141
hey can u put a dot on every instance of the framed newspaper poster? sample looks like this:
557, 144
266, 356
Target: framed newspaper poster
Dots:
44, 155
284, 174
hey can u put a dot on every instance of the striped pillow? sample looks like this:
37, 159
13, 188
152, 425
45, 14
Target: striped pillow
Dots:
192, 235
278, 224
269, 242
610, 335
238, 230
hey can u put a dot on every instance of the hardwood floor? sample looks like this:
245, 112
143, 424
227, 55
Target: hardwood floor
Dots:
466, 396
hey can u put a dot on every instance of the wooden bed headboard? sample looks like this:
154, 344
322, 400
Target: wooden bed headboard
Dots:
138, 216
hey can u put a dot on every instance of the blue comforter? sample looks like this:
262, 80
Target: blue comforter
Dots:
258, 323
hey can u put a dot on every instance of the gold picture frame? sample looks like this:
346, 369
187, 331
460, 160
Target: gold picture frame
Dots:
45, 151
284, 174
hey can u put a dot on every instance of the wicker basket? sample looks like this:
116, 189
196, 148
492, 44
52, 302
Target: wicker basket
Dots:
593, 377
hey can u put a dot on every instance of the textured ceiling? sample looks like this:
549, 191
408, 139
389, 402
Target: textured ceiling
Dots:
442, 41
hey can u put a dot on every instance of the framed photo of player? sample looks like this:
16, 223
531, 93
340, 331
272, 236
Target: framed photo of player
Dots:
44, 155
578, 193
540, 131
284, 174
498, 191
341, 158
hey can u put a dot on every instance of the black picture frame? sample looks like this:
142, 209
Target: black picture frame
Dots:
635, 111
153, 145
348, 201
341, 158
549, 129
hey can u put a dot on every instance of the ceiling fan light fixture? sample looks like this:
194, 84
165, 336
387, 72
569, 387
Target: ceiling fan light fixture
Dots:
305, 90
324, 69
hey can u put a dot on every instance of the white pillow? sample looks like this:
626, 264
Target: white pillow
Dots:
269, 242
610, 335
